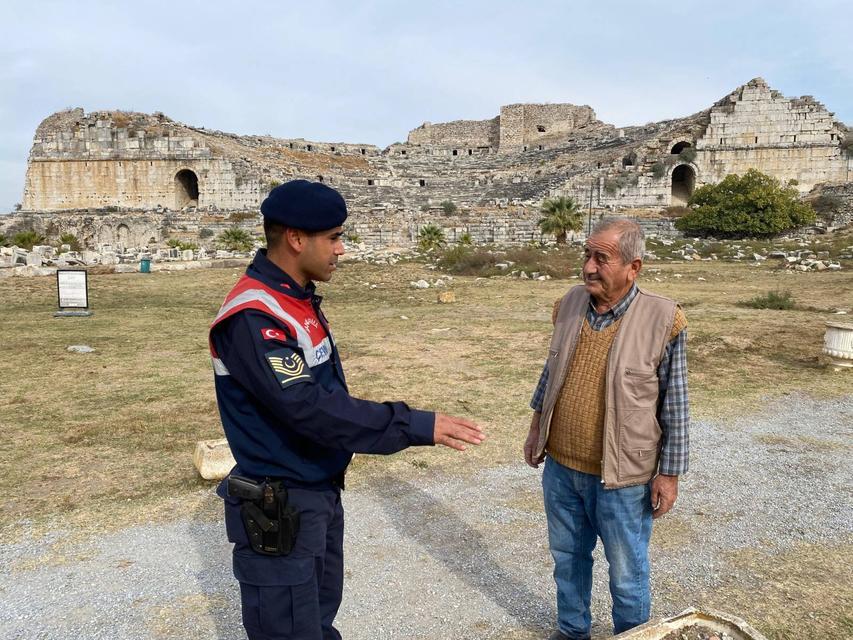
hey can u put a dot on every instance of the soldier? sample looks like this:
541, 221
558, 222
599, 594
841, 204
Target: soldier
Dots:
291, 423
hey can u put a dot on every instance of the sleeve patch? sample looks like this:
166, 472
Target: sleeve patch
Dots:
273, 334
288, 367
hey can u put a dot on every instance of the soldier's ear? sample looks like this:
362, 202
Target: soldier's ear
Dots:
295, 239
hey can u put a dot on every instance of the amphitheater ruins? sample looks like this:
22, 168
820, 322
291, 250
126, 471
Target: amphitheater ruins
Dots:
132, 179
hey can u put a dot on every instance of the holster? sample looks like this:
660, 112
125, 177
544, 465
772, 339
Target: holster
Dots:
271, 524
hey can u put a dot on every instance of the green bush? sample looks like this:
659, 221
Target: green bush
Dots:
752, 205
466, 239
448, 207
688, 154
4, 241
658, 170
781, 300
27, 239
430, 237
180, 244
826, 203
235, 239
71, 240
273, 184
241, 216
353, 238
206, 233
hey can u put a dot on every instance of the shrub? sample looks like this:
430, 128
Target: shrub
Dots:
781, 300
752, 205
71, 240
448, 207
273, 184
241, 216
4, 241
180, 244
658, 170
235, 239
206, 233
675, 211
27, 239
353, 238
847, 144
687, 154
466, 239
826, 203
430, 237
465, 260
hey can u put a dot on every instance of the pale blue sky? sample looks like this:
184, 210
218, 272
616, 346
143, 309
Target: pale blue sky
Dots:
371, 71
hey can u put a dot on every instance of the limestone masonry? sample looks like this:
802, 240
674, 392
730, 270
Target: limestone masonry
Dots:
134, 179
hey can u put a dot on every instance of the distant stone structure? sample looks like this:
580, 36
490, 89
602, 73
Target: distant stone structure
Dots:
132, 179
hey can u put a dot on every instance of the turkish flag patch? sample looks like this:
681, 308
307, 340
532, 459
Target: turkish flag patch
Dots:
274, 334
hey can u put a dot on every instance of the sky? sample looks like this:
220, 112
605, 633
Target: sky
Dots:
368, 72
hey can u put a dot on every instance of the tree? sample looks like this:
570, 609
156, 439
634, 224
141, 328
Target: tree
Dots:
561, 215
27, 239
752, 205
430, 237
235, 239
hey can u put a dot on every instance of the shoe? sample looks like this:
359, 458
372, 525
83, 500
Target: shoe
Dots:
559, 635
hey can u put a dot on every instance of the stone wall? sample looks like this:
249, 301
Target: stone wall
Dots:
460, 134
790, 139
533, 125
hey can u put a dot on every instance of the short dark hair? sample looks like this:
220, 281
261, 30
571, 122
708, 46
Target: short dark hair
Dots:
274, 232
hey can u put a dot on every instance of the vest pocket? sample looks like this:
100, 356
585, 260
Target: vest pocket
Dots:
641, 388
639, 441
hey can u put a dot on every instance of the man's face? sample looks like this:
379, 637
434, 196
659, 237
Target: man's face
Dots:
606, 277
319, 257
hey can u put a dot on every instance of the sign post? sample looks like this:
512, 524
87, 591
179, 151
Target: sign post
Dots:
72, 288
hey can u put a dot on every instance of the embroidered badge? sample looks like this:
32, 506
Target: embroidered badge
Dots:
273, 334
288, 367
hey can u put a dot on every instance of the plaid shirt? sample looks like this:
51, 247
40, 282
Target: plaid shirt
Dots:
673, 408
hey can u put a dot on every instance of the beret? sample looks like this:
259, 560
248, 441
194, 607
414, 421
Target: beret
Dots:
301, 204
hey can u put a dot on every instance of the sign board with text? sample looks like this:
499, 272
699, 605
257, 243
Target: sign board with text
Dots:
73, 289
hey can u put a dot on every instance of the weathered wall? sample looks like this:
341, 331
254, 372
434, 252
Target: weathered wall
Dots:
460, 134
527, 125
790, 139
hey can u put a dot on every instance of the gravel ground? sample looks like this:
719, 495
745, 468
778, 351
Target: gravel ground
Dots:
436, 557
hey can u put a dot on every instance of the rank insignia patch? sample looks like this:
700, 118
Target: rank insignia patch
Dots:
288, 367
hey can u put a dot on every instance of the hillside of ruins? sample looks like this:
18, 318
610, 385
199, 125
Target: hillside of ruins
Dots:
134, 180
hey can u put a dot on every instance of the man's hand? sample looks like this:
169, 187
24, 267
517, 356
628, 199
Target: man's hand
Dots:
453, 432
664, 493
531, 442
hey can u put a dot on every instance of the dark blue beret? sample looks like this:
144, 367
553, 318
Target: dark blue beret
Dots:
300, 204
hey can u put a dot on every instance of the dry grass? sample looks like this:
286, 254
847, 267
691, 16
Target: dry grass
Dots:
108, 437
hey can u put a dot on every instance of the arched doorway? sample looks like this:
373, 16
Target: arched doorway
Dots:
678, 147
683, 183
122, 237
186, 189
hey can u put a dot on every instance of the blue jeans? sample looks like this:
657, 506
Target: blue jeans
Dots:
580, 510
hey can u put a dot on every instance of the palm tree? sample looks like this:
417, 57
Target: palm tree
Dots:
561, 215
236, 239
431, 236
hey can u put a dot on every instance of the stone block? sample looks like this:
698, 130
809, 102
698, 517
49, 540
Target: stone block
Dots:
213, 459
34, 260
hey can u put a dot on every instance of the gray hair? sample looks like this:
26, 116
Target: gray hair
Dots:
632, 240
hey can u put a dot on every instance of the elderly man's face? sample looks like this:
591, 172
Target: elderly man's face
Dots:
606, 276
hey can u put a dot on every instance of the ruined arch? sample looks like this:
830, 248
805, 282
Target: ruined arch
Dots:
186, 189
683, 184
630, 160
678, 147
122, 236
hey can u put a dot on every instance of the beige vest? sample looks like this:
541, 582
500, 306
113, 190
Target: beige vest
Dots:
631, 443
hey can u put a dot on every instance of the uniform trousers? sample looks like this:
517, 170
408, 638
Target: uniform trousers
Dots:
297, 596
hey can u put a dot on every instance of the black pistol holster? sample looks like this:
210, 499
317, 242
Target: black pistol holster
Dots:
271, 524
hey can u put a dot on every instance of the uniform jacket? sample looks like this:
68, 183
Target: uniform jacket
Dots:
632, 434
281, 391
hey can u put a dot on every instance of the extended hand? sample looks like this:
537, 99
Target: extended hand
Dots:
453, 432
531, 442
664, 493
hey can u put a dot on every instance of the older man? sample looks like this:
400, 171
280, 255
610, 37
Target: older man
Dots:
611, 413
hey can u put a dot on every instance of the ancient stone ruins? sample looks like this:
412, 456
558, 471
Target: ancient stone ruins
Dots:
132, 180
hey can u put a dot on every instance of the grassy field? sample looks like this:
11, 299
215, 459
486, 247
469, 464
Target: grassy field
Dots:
108, 436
